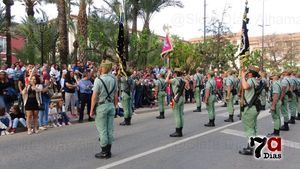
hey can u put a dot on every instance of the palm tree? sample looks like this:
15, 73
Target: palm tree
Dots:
63, 47
135, 13
8, 4
29, 5
82, 30
150, 7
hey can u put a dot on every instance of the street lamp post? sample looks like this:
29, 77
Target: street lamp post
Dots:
42, 26
262, 37
204, 29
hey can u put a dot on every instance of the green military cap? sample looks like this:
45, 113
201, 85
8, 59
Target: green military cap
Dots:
286, 71
211, 73
106, 63
177, 70
275, 73
231, 71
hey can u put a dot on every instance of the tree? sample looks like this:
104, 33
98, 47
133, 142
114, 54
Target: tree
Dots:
30, 30
8, 4
29, 5
82, 30
150, 7
63, 31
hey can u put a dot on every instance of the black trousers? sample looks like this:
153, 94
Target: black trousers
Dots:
85, 100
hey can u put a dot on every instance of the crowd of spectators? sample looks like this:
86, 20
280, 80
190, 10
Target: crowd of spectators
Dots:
39, 97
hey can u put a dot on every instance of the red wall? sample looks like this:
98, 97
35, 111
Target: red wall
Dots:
17, 43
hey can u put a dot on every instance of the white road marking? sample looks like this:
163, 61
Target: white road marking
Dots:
286, 143
125, 160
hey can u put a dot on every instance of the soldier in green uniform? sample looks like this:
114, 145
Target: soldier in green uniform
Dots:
179, 105
263, 95
275, 103
161, 95
284, 99
198, 86
230, 84
293, 99
126, 87
225, 75
210, 98
237, 87
249, 116
104, 100
297, 91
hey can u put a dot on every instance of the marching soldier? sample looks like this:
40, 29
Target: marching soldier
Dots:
210, 98
198, 85
230, 84
293, 99
224, 88
161, 94
126, 86
284, 99
104, 100
297, 91
275, 101
237, 87
177, 85
263, 95
249, 116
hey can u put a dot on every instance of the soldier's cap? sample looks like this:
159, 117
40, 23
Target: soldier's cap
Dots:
199, 69
178, 70
211, 73
275, 73
106, 64
231, 71
254, 70
286, 71
2, 72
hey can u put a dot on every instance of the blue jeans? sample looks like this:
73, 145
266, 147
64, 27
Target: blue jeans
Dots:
43, 115
16, 122
5, 122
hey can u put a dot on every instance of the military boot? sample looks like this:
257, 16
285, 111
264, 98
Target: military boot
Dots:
177, 133
161, 115
197, 110
298, 118
109, 149
292, 120
246, 151
104, 154
275, 133
230, 119
285, 127
126, 122
224, 105
211, 123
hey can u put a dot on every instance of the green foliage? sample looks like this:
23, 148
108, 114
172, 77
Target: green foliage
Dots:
32, 31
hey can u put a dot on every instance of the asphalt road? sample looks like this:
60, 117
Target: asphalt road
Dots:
147, 145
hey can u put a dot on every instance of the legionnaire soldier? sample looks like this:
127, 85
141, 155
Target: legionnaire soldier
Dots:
198, 86
161, 95
293, 99
297, 91
275, 101
249, 116
237, 87
263, 95
104, 101
210, 98
126, 87
284, 99
177, 89
230, 84
225, 75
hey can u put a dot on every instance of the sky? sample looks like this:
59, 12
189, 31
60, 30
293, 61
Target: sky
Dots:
281, 16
